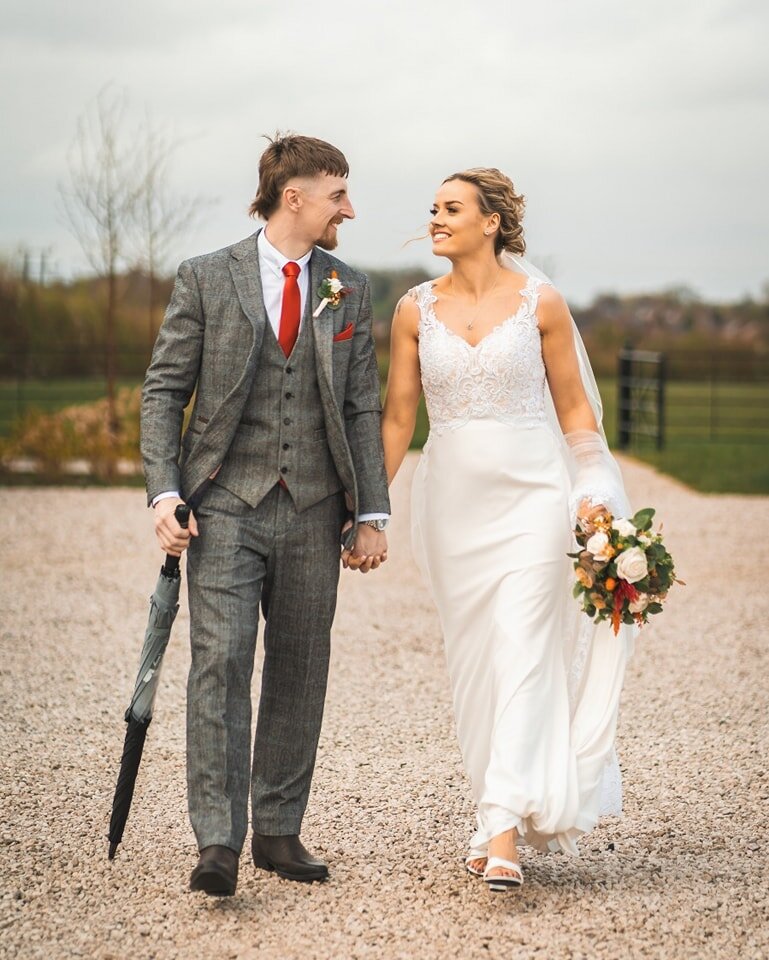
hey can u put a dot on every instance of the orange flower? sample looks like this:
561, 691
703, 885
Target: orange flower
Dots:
610, 584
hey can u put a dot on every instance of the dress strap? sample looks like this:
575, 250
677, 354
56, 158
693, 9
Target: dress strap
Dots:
530, 293
424, 297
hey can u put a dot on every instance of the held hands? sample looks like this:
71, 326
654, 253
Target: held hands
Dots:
369, 550
173, 539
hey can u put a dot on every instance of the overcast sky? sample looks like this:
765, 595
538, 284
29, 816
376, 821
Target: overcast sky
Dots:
639, 133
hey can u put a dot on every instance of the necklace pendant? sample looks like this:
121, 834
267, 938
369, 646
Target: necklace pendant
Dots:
470, 324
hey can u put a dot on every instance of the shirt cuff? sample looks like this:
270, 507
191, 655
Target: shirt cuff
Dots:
164, 496
373, 516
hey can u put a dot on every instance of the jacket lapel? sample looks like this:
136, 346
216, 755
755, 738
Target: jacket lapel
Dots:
323, 337
211, 448
322, 325
244, 267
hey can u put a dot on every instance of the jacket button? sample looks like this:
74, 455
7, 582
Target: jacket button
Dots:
284, 469
286, 446
289, 395
289, 369
287, 421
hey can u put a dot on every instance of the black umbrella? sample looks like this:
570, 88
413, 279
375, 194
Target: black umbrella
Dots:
164, 605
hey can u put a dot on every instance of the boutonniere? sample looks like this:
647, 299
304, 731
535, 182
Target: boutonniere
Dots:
331, 292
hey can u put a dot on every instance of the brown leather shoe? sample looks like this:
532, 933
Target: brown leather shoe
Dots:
288, 857
217, 872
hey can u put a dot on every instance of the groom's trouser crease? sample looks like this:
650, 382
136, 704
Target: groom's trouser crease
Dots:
288, 562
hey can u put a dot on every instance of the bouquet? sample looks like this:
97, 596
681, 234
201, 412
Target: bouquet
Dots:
623, 570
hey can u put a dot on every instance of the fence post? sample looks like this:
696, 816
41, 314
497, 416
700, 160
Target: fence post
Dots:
661, 379
624, 397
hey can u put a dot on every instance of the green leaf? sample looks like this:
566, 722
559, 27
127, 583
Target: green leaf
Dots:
643, 519
576, 590
654, 608
589, 610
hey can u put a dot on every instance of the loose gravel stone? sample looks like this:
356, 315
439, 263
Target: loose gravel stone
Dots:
682, 875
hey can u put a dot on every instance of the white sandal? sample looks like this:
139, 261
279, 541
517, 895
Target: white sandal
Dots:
501, 883
470, 868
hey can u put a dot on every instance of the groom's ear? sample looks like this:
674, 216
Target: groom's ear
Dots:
292, 197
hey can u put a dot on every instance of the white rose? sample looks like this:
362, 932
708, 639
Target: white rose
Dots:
642, 538
597, 544
335, 285
640, 604
631, 565
624, 527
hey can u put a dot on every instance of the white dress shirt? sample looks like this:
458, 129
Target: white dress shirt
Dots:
271, 263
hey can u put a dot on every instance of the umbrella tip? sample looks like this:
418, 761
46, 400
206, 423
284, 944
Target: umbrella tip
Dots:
112, 851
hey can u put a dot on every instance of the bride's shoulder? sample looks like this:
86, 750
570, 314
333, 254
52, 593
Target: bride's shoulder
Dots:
552, 308
407, 313
413, 300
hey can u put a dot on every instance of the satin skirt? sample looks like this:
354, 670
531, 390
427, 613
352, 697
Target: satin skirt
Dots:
535, 686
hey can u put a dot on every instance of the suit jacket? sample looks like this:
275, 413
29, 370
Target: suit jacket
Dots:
208, 345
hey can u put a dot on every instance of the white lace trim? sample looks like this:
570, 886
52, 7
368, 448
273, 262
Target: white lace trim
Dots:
502, 376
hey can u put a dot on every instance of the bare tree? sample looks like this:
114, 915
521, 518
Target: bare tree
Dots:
98, 200
160, 217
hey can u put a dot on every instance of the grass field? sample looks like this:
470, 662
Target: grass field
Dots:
717, 441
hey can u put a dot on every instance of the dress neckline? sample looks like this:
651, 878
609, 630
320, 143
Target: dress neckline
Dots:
525, 289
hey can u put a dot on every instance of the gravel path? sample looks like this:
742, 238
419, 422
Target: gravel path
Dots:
682, 875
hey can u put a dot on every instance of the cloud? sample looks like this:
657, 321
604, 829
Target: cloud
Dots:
637, 133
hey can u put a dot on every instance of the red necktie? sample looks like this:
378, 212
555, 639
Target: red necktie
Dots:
290, 309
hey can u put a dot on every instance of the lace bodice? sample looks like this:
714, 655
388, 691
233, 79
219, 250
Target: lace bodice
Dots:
503, 376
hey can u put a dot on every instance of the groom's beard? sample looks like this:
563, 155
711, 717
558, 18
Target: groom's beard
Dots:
329, 240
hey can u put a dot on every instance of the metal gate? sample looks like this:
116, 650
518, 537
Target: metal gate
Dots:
640, 397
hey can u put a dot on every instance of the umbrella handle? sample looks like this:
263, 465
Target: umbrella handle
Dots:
182, 517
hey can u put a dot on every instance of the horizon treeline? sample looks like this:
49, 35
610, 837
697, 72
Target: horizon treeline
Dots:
56, 329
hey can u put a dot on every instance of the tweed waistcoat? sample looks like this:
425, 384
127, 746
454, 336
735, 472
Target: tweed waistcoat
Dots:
282, 432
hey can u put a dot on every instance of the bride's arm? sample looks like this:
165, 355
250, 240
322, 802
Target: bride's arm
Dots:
404, 386
596, 479
563, 376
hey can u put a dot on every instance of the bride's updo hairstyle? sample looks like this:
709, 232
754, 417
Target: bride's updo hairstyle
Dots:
496, 194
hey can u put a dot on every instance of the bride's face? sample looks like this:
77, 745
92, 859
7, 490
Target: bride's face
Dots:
458, 227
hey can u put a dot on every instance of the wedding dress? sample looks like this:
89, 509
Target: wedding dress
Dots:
536, 686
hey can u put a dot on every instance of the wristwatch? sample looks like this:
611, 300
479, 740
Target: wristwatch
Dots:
378, 525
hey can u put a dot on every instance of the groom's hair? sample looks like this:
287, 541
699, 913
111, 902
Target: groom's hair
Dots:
290, 155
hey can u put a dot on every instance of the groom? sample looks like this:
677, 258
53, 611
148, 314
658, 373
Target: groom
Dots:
283, 436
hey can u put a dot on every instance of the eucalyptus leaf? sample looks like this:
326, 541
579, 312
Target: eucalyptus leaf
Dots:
643, 519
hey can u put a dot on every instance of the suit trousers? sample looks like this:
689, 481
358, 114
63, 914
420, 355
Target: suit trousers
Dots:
288, 562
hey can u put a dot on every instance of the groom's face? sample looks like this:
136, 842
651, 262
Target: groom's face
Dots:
325, 204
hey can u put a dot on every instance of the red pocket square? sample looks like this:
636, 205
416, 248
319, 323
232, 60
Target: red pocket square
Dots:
346, 334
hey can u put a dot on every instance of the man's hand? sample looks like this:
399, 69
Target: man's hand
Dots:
173, 538
369, 550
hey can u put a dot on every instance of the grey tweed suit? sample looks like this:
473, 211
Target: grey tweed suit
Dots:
311, 421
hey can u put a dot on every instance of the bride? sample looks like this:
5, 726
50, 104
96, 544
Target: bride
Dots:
515, 454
